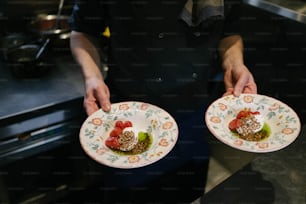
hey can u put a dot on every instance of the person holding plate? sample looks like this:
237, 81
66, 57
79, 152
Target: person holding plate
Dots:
162, 53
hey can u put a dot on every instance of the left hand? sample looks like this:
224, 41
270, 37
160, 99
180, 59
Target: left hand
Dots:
238, 79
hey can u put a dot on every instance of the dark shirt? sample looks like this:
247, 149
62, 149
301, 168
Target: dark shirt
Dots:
153, 51
156, 57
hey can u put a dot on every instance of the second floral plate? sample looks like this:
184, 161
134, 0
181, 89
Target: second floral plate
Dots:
282, 122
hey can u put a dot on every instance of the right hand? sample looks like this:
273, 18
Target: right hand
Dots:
97, 95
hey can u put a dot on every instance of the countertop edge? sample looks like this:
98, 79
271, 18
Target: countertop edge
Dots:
278, 9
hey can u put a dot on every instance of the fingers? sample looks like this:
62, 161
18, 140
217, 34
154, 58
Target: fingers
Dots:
104, 99
251, 88
240, 86
244, 84
97, 96
90, 106
229, 91
244, 87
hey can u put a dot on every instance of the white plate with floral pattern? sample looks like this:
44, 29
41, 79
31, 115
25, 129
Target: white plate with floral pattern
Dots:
145, 117
283, 122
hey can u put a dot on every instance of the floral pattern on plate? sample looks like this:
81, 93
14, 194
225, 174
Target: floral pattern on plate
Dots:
284, 123
145, 117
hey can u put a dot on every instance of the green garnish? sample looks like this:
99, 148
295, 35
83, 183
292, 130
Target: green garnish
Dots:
142, 136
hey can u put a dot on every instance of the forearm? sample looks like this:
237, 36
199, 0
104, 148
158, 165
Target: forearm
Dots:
86, 55
231, 51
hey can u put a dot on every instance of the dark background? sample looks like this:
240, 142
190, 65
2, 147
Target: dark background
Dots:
275, 46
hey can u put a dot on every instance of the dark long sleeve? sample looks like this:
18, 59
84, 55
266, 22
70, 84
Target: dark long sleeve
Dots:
89, 17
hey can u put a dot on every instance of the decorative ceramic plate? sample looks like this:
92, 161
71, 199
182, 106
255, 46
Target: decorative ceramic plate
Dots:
283, 123
144, 117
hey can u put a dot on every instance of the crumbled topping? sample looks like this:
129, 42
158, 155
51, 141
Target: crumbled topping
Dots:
249, 125
127, 141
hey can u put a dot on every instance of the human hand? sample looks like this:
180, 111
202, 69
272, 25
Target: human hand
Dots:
238, 79
97, 95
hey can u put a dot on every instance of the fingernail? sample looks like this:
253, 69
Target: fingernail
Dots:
107, 107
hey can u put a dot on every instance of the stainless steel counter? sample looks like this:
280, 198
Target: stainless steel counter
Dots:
19, 96
292, 9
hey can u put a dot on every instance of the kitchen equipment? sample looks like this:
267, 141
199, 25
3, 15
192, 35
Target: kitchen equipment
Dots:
59, 12
42, 49
50, 24
27, 61
11, 41
40, 157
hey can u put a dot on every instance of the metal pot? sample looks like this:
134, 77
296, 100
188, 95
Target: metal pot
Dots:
55, 28
24, 63
48, 24
12, 41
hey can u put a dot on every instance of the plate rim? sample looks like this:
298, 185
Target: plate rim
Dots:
247, 149
131, 166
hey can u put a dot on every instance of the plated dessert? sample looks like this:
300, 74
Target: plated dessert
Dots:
249, 125
124, 139
253, 122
